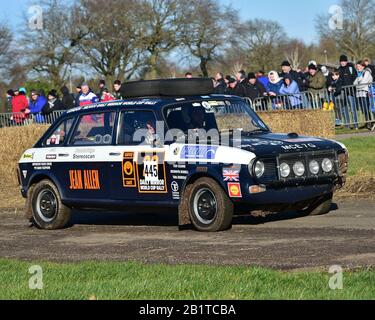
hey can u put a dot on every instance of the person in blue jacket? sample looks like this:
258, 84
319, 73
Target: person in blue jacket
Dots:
290, 88
36, 106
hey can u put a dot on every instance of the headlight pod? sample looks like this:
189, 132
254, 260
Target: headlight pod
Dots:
314, 167
327, 165
258, 168
284, 170
299, 169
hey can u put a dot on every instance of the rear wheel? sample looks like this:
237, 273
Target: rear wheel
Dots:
321, 206
48, 212
210, 209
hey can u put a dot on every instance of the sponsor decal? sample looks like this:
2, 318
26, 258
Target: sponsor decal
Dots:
24, 173
83, 156
42, 165
51, 157
151, 172
176, 151
234, 190
175, 190
128, 170
28, 156
299, 146
231, 175
84, 180
199, 152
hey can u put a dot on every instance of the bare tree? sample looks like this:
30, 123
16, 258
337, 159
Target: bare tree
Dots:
260, 41
52, 50
356, 38
160, 30
112, 45
204, 29
5, 48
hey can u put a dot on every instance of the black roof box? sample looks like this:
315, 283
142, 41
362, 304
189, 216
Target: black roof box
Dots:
168, 88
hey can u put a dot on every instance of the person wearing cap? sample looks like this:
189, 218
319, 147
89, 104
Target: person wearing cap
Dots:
232, 83
254, 88
348, 73
20, 105
36, 106
317, 81
53, 104
298, 77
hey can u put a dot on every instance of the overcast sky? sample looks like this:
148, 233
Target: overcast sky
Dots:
296, 16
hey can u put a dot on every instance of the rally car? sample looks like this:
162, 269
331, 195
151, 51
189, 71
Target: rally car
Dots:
173, 144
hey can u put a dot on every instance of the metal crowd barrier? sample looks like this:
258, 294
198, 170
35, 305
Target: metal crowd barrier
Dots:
21, 119
353, 105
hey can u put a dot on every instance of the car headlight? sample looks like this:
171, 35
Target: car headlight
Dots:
284, 170
259, 168
327, 165
314, 167
299, 169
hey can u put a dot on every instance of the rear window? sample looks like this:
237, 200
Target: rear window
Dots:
94, 129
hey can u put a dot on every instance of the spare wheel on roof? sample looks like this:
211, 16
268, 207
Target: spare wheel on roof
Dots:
168, 87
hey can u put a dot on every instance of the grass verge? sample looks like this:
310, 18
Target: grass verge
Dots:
129, 281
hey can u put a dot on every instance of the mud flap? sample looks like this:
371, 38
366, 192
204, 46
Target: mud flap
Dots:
184, 221
28, 204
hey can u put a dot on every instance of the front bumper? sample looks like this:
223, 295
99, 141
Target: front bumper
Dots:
283, 198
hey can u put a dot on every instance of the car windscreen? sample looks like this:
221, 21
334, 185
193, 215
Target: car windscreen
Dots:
218, 115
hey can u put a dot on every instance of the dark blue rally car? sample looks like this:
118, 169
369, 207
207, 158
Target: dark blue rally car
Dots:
172, 144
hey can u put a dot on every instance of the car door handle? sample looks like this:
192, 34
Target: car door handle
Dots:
115, 154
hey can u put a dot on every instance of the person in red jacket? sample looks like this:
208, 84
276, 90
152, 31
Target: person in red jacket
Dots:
19, 105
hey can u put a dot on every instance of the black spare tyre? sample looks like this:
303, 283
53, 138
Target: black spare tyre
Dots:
168, 88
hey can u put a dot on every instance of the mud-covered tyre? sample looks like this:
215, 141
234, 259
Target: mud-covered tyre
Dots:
48, 212
209, 208
320, 206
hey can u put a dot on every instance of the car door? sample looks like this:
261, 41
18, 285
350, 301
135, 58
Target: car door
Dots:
86, 161
139, 171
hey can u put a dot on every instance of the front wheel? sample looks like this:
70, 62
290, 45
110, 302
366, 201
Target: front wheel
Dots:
321, 206
48, 212
209, 207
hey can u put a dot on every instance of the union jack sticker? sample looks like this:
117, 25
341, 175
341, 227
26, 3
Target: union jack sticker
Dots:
231, 175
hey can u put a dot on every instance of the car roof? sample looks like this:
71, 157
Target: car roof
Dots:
154, 103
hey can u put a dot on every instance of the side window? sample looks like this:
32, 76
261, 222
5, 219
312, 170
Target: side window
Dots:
94, 129
137, 128
59, 135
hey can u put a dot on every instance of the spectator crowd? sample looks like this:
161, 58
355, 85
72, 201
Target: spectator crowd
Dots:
254, 85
